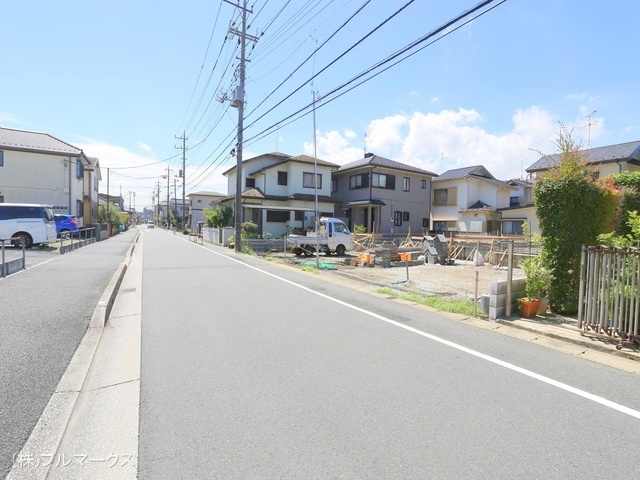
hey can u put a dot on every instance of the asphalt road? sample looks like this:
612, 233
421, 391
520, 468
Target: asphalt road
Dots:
44, 313
251, 370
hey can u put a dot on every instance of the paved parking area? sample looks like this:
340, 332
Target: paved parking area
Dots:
33, 255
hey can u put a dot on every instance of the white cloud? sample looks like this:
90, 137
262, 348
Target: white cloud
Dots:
147, 148
451, 139
10, 119
334, 147
128, 171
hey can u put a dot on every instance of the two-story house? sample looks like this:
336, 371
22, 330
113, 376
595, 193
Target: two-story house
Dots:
198, 201
467, 200
92, 178
39, 168
601, 161
383, 195
520, 212
279, 191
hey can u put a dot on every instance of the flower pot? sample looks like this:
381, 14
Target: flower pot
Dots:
544, 306
529, 308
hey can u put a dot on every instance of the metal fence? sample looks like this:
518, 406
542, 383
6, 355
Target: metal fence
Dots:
609, 296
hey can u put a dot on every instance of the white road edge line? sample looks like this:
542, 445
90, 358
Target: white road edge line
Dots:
563, 386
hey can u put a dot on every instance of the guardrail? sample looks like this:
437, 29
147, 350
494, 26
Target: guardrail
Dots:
77, 239
12, 266
609, 293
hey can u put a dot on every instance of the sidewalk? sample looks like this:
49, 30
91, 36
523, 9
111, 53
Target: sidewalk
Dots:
566, 329
552, 327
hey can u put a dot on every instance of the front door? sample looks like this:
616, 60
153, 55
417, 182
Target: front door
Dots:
256, 217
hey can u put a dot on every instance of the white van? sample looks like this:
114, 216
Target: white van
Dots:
27, 222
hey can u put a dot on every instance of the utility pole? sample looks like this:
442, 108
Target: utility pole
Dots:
156, 206
168, 178
182, 175
238, 102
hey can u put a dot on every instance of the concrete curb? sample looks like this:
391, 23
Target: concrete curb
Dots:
572, 336
48, 432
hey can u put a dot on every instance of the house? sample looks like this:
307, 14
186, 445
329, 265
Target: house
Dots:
118, 200
383, 195
39, 168
520, 212
279, 192
92, 178
601, 161
468, 199
198, 201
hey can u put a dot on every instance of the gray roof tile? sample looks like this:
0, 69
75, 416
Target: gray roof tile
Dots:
378, 161
610, 153
463, 172
35, 141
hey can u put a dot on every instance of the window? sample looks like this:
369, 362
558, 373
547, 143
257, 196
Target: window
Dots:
512, 227
282, 178
29, 212
278, 216
79, 169
1, 158
514, 201
379, 180
440, 197
334, 185
382, 180
341, 228
445, 196
445, 226
250, 183
528, 195
358, 181
423, 184
397, 219
405, 184
79, 208
307, 180
425, 223
405, 216
299, 215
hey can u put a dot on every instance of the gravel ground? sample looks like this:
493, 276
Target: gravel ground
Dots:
457, 281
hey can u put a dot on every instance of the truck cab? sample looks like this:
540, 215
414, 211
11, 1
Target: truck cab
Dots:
333, 236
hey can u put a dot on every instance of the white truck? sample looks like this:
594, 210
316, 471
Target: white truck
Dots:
333, 236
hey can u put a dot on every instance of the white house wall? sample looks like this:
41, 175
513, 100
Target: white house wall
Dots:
41, 178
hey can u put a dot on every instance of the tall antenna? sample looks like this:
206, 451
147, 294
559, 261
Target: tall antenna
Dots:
365, 144
595, 122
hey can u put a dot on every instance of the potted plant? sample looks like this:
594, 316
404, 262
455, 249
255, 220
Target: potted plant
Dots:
538, 278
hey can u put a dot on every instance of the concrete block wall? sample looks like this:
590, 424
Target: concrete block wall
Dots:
498, 297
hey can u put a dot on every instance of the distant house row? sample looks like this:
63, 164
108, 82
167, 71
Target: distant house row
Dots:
279, 191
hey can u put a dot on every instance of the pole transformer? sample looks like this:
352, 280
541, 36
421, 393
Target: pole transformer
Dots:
238, 102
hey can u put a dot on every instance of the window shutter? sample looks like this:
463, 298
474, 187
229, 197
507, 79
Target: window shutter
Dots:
391, 182
365, 180
452, 196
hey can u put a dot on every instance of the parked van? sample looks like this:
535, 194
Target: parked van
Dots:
27, 223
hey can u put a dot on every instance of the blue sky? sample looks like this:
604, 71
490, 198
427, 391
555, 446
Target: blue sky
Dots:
121, 79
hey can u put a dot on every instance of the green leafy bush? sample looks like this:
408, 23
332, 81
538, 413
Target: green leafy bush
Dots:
572, 210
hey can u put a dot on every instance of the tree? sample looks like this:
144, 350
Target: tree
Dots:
109, 213
218, 216
572, 209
